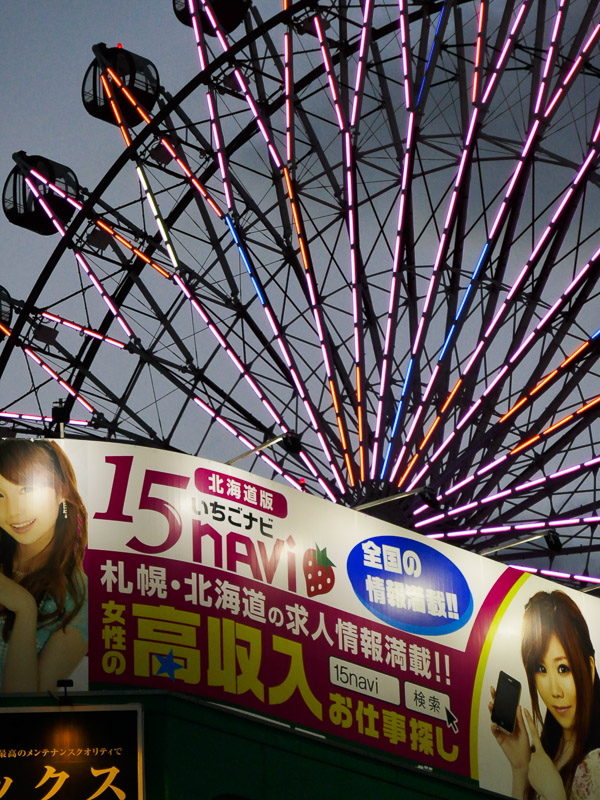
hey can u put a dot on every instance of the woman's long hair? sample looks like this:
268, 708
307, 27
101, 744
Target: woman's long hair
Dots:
550, 614
24, 461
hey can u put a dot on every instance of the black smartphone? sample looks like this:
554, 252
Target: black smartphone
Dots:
506, 702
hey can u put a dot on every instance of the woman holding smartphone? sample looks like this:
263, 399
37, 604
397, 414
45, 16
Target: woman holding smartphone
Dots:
43, 590
563, 761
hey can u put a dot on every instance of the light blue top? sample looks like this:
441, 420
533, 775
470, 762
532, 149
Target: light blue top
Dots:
48, 606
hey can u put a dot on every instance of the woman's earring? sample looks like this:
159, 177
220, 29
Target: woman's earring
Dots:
65, 512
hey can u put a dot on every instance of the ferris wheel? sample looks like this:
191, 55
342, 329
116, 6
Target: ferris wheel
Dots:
361, 246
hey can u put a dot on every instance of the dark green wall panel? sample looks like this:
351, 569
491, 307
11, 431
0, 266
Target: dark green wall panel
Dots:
197, 751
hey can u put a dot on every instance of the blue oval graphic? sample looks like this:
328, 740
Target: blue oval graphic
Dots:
410, 585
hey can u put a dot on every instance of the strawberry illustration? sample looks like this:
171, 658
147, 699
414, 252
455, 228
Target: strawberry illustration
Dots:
318, 571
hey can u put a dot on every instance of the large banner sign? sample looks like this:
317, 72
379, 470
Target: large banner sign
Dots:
202, 578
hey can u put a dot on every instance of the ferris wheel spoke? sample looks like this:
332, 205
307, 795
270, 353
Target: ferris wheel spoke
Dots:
581, 514
445, 239
488, 539
403, 249
358, 288
508, 502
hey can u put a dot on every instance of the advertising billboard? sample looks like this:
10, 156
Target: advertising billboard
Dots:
71, 753
202, 578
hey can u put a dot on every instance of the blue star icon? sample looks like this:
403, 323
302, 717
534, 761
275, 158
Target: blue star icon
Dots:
167, 665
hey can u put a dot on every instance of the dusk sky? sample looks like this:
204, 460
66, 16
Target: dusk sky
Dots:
44, 53
46, 50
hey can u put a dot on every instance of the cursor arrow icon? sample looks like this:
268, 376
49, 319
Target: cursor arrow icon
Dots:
451, 720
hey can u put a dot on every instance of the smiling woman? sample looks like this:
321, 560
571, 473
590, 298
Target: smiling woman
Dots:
555, 684
563, 761
43, 592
